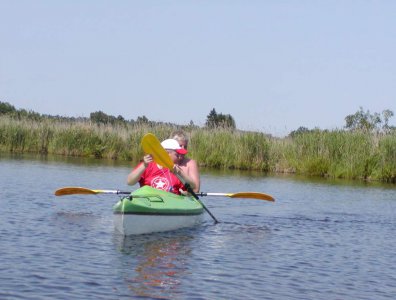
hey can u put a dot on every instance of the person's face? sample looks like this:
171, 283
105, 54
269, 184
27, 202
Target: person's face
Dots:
174, 155
183, 144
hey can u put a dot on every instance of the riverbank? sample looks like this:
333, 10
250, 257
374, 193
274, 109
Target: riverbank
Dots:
337, 153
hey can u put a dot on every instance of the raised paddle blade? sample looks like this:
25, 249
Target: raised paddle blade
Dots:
245, 195
151, 145
74, 191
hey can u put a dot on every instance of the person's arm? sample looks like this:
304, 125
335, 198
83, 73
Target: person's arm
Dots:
136, 173
193, 172
190, 175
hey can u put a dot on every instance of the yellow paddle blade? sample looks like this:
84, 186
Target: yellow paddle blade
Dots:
247, 195
74, 190
151, 145
252, 195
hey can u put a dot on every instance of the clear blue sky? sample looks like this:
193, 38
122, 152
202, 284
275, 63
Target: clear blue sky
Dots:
272, 65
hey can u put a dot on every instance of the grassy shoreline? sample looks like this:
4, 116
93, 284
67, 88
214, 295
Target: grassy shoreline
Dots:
337, 153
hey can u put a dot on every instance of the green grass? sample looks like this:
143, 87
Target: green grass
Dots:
337, 154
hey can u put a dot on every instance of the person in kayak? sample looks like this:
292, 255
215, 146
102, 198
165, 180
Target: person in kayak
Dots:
188, 165
150, 173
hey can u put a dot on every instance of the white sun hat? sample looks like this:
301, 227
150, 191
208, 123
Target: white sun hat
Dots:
171, 144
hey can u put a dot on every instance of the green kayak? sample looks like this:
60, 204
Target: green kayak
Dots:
149, 210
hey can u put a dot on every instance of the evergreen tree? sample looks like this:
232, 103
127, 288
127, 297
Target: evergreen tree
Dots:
214, 120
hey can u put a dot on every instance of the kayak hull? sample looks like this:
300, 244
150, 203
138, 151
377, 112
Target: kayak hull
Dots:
144, 224
149, 210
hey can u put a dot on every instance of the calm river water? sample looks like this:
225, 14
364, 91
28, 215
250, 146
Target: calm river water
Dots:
321, 239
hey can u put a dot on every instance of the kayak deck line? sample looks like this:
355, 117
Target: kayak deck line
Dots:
158, 213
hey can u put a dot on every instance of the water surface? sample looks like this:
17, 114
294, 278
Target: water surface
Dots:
321, 239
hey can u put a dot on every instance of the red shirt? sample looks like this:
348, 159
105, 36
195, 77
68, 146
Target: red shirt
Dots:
162, 179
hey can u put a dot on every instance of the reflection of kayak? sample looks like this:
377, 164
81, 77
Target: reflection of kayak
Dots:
149, 210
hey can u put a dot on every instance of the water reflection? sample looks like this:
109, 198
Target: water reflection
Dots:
158, 263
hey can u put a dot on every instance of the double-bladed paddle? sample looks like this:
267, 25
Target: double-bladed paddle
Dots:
74, 190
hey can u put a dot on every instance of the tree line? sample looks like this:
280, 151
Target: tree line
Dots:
213, 119
361, 120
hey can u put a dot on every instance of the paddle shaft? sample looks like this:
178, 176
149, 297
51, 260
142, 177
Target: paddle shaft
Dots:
190, 190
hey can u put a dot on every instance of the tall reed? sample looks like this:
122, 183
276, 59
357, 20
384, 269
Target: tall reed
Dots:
337, 153
343, 154
222, 148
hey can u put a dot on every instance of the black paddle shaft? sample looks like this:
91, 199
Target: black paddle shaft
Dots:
190, 190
